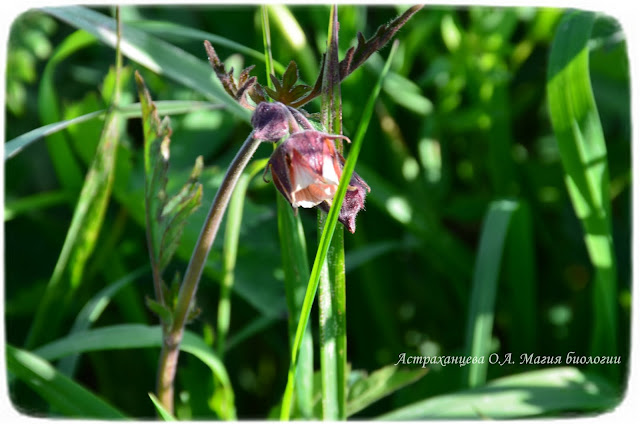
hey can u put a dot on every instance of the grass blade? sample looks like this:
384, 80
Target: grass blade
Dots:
59, 391
332, 286
135, 336
290, 31
163, 413
67, 168
529, 394
15, 146
230, 252
167, 107
327, 234
520, 274
371, 388
584, 157
170, 29
484, 287
92, 310
85, 225
293, 248
157, 55
17, 207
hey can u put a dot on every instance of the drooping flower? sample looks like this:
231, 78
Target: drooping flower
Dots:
306, 169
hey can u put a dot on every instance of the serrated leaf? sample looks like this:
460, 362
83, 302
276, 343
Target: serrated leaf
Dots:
356, 56
165, 217
238, 91
286, 91
290, 75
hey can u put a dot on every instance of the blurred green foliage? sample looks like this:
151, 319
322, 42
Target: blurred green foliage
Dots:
462, 122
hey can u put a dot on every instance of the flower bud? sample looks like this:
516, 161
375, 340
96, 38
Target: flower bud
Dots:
270, 121
306, 169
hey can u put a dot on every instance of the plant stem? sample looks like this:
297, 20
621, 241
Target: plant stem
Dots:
332, 290
170, 349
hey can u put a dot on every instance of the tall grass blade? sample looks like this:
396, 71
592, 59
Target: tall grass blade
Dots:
38, 201
332, 286
136, 336
157, 55
230, 252
167, 107
91, 311
64, 162
530, 394
366, 390
519, 270
165, 29
15, 146
583, 152
293, 248
327, 234
290, 31
484, 287
59, 391
84, 229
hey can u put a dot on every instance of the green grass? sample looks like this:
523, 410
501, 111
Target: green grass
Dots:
497, 148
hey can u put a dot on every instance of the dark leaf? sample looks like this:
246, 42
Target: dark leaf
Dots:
245, 86
356, 56
287, 92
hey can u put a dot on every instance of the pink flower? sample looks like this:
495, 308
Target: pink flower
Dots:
306, 169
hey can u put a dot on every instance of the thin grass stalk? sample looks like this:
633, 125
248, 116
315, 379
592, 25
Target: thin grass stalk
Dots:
332, 293
327, 235
293, 247
230, 254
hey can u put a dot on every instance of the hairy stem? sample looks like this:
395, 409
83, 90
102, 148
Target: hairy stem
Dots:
172, 338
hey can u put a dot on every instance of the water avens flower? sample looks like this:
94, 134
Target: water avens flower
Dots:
306, 168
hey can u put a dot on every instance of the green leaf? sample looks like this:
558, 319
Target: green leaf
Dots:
484, 287
59, 391
332, 284
81, 236
164, 414
162, 311
135, 336
327, 234
364, 390
16, 145
67, 168
529, 394
92, 310
167, 107
38, 201
165, 29
230, 251
165, 218
157, 55
584, 157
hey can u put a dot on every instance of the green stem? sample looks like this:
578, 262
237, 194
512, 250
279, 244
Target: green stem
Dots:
332, 291
327, 235
170, 348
